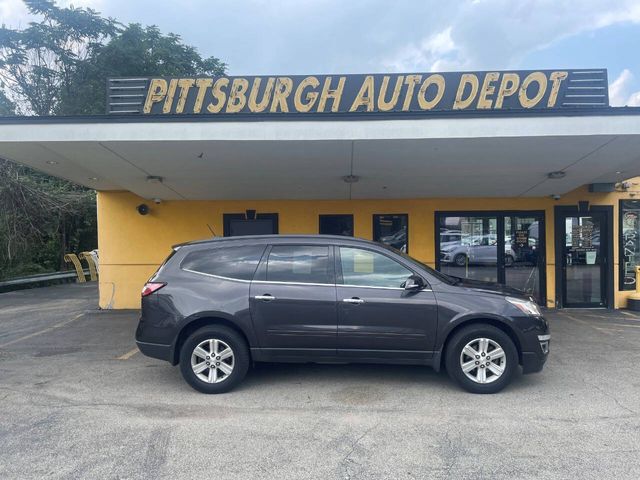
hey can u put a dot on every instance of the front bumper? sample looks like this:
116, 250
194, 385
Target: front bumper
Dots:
534, 361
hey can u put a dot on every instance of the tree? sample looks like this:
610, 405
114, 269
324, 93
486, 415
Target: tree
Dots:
59, 65
136, 51
38, 62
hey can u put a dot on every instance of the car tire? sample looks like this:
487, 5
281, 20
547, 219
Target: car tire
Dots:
460, 260
214, 373
508, 260
488, 375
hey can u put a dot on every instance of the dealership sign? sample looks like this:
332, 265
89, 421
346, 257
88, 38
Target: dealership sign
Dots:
360, 94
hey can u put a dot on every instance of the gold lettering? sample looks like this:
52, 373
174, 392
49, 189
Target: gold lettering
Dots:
156, 93
219, 94
487, 89
334, 94
435, 79
466, 79
185, 85
508, 86
203, 84
260, 106
541, 79
311, 97
168, 101
383, 105
365, 95
556, 78
283, 88
237, 98
411, 81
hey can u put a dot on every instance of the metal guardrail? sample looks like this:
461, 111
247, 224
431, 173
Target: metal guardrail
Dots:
39, 280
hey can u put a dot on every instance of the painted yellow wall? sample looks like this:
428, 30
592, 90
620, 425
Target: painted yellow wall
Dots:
132, 246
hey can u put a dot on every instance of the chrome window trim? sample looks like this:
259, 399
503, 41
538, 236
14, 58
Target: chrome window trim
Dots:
216, 276
380, 288
268, 282
275, 282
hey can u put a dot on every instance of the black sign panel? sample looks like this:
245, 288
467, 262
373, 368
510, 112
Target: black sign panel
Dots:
360, 94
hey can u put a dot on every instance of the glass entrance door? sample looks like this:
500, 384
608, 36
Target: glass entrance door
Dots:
524, 255
584, 260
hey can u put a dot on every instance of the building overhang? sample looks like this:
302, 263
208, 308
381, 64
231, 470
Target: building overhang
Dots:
445, 156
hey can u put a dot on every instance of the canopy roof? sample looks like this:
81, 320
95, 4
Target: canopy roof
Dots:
481, 156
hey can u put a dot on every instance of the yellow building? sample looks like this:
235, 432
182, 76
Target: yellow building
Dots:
532, 185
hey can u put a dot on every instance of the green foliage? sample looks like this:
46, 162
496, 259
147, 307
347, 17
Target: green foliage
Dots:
59, 66
38, 62
135, 51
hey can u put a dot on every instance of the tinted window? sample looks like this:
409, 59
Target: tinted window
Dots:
232, 262
336, 225
299, 263
367, 268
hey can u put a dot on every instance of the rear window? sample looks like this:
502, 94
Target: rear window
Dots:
231, 262
299, 264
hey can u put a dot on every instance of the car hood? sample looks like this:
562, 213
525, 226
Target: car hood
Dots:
490, 287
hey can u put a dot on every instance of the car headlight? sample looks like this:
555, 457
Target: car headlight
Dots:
526, 306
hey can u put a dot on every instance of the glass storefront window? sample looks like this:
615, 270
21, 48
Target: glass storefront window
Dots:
392, 230
630, 243
469, 247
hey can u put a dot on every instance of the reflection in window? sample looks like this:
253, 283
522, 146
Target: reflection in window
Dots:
367, 268
468, 247
299, 264
236, 262
522, 254
630, 247
392, 230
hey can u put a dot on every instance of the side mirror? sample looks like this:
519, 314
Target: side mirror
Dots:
414, 282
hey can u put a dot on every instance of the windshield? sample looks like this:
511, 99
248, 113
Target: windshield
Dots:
439, 275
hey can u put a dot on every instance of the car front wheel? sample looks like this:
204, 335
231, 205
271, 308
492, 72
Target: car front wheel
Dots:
214, 359
481, 358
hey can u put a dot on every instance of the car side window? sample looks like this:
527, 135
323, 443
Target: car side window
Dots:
299, 264
367, 268
232, 262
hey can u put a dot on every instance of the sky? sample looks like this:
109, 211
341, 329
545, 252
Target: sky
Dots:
263, 37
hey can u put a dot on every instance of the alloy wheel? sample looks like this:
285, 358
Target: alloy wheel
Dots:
212, 361
483, 360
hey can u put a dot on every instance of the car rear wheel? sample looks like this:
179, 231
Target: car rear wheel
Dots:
214, 359
481, 358
460, 260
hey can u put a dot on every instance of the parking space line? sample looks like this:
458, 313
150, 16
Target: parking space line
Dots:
588, 324
40, 332
128, 355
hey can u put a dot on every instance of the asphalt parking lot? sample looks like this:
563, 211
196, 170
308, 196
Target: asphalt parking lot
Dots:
78, 401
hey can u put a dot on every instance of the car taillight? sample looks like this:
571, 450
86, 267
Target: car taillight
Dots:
151, 287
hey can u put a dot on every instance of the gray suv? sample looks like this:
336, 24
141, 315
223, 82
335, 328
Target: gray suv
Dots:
216, 306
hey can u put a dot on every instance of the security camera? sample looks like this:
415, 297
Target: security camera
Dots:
555, 196
143, 209
157, 201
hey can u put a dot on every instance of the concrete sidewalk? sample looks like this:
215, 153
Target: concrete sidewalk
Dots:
77, 401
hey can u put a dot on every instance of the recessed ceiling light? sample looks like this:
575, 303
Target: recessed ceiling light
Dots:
93, 179
350, 178
618, 172
556, 175
52, 162
154, 179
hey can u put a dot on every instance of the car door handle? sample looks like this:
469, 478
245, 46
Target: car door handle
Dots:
265, 298
354, 300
